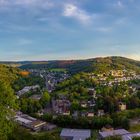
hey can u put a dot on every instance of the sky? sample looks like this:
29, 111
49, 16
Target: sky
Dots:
69, 29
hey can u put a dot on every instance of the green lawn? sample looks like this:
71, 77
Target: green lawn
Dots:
58, 70
54, 131
135, 128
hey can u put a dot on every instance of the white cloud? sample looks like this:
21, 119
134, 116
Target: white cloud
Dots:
73, 11
121, 21
27, 3
24, 41
3, 2
134, 56
120, 4
104, 29
35, 3
132, 1
117, 5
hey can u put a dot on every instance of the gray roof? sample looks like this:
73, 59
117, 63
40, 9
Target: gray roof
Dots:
79, 138
113, 133
77, 134
130, 136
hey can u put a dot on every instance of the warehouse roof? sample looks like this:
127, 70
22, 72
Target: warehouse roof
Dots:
77, 134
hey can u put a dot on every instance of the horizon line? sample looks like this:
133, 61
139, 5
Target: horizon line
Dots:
75, 59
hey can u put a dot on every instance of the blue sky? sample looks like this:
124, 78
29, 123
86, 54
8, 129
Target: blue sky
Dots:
69, 29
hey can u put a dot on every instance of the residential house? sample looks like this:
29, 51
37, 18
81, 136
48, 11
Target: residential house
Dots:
90, 114
83, 104
91, 103
75, 114
92, 92
107, 128
117, 73
100, 112
61, 106
122, 106
83, 113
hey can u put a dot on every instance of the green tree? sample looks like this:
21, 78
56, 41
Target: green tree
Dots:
75, 106
136, 138
47, 117
7, 104
29, 105
113, 138
20, 133
45, 99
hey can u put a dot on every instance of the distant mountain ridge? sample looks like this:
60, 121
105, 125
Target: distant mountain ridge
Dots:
88, 65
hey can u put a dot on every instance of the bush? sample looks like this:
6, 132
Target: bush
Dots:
114, 138
136, 138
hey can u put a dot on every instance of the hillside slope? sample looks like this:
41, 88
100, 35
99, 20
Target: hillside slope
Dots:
8, 74
88, 65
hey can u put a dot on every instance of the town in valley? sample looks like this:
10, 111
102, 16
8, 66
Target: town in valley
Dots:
83, 105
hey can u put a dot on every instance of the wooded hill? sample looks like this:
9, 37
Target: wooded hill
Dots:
88, 65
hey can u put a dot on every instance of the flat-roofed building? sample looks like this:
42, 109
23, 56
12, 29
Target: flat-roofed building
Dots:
37, 125
29, 122
118, 132
75, 134
36, 97
130, 136
27, 89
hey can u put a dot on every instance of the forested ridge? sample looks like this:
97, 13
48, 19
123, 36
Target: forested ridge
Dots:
88, 65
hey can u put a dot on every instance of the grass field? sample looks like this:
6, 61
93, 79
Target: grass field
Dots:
57, 70
135, 128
